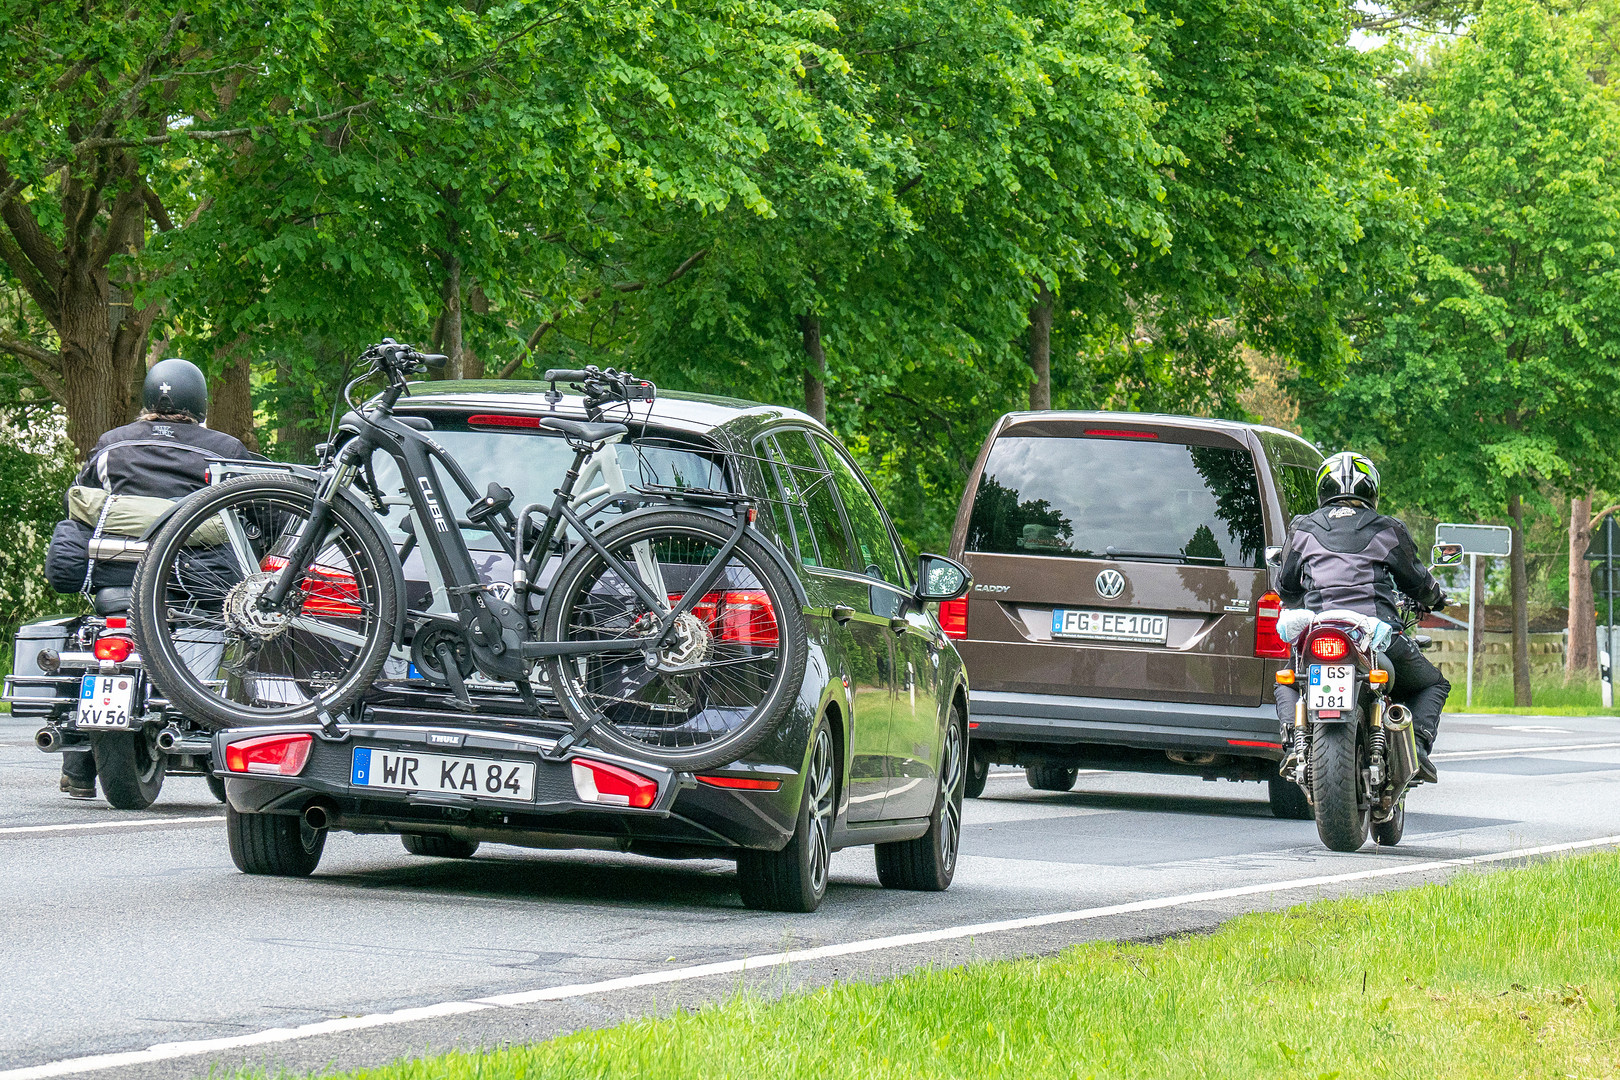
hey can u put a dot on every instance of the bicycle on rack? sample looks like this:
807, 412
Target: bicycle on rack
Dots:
289, 586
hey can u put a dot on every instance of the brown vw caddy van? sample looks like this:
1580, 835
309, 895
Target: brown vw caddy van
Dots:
1122, 615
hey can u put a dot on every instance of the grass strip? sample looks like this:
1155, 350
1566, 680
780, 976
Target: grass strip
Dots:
1512, 973
1551, 694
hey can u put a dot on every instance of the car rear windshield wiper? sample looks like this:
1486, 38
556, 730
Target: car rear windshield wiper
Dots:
1176, 557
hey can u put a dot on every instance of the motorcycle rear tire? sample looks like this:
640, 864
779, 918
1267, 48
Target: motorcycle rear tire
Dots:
129, 767
1341, 819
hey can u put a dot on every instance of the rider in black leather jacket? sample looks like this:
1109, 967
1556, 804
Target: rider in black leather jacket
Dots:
1347, 555
163, 454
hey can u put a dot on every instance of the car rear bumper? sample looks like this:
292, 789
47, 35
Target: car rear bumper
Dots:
1052, 719
686, 818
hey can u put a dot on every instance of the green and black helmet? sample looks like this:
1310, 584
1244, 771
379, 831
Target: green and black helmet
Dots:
1347, 476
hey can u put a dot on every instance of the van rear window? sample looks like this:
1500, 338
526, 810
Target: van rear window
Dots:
1105, 498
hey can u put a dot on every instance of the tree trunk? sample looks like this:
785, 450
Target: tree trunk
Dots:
299, 432
450, 341
96, 400
1040, 349
815, 368
231, 409
1580, 660
1520, 588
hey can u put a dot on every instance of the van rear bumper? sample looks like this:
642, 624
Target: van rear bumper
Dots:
1058, 720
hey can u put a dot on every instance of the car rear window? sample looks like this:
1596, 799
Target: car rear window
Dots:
1112, 498
533, 466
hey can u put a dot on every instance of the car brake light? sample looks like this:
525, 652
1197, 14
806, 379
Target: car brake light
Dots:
1330, 646
953, 618
741, 783
737, 616
1266, 642
1121, 433
328, 592
598, 782
499, 420
114, 648
277, 755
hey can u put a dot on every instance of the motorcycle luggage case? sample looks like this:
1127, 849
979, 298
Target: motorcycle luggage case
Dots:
31, 640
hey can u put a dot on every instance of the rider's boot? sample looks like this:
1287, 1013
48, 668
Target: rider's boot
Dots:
1426, 771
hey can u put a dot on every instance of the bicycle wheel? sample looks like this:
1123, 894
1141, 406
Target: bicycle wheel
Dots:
732, 670
219, 657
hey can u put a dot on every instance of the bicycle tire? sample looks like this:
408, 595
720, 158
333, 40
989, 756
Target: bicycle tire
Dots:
167, 663
764, 574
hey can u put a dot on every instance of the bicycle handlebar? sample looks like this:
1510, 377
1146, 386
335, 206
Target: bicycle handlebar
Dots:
567, 375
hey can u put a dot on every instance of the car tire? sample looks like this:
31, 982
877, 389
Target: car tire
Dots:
129, 766
1288, 800
216, 785
278, 845
438, 847
1050, 777
1388, 833
795, 878
978, 772
928, 863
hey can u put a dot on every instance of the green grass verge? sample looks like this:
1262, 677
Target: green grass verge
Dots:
1552, 697
1507, 974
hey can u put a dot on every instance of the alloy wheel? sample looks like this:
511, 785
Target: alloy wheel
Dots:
953, 774
821, 809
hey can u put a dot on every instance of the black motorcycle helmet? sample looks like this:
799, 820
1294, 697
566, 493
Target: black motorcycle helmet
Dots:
176, 386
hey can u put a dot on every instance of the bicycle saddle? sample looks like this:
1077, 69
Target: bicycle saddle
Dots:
582, 432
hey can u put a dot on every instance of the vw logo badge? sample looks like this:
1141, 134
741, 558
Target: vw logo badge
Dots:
1110, 583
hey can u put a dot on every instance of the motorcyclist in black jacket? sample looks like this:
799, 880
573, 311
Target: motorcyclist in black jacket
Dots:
1347, 555
164, 453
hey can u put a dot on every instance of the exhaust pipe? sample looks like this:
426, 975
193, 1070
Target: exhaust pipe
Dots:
319, 816
1400, 746
48, 739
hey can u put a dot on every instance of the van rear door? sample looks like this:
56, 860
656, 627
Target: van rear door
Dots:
1118, 558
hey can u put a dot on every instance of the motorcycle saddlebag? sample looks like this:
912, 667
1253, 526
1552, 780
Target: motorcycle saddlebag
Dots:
68, 557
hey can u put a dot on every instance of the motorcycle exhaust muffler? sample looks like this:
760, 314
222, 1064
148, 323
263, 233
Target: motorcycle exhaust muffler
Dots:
48, 739
1400, 747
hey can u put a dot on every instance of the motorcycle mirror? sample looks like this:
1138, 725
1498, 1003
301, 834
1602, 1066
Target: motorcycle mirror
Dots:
1274, 556
1447, 554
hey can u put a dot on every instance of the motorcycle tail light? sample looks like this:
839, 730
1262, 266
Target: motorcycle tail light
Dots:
1329, 645
1266, 642
953, 618
599, 782
332, 593
117, 622
277, 755
114, 648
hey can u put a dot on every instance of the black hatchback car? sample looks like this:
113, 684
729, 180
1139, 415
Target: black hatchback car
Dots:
873, 752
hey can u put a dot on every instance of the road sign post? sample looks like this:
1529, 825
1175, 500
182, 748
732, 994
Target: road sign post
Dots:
1603, 549
1491, 541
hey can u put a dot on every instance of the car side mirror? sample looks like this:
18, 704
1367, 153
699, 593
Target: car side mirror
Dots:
1274, 557
940, 579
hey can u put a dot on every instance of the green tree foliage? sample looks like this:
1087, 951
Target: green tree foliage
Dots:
1497, 373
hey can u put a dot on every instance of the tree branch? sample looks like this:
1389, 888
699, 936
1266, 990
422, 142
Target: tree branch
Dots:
39, 364
154, 206
38, 289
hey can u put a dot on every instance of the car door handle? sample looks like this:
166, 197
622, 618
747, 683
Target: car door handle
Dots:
842, 613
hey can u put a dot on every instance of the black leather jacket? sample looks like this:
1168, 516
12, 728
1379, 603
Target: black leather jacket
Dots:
1355, 558
159, 458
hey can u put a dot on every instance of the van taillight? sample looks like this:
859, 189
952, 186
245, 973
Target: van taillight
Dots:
1266, 642
953, 618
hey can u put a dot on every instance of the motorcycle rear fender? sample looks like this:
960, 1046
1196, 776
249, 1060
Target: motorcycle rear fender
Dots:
348, 496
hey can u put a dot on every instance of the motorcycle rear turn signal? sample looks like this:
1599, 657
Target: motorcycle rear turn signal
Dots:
1378, 675
1285, 677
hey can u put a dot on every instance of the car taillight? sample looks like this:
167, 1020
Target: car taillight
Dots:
1329, 645
599, 782
738, 616
114, 648
1266, 642
328, 592
741, 783
277, 755
953, 618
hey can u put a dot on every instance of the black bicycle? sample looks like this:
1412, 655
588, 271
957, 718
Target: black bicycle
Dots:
277, 596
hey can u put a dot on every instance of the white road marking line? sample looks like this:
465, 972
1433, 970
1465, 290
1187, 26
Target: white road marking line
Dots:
171, 1051
13, 830
1514, 751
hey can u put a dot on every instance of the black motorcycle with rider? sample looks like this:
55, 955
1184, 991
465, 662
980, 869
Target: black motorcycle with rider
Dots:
82, 675
1359, 706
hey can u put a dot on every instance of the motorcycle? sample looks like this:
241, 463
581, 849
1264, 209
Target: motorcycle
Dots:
1355, 750
83, 676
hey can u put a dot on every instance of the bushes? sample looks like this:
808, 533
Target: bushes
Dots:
36, 466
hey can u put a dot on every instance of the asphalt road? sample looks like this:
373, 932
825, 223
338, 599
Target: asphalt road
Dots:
131, 947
